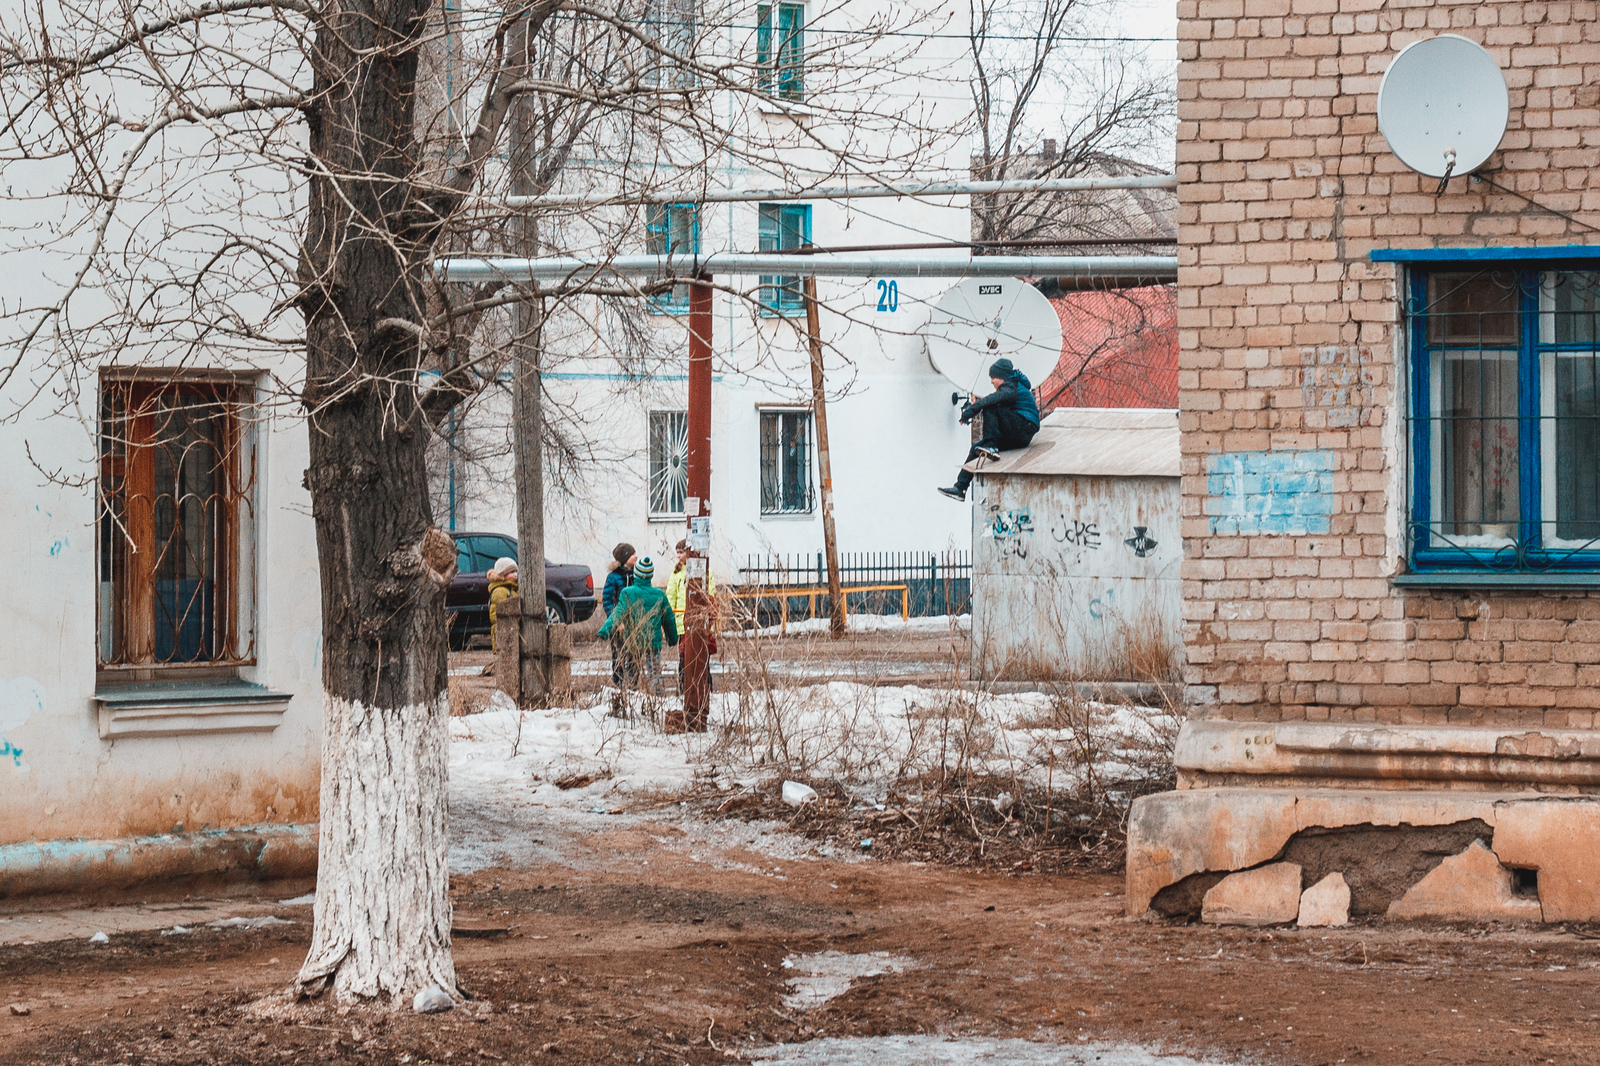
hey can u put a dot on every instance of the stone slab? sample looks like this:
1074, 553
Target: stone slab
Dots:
1326, 903
1269, 895
1471, 886
1560, 838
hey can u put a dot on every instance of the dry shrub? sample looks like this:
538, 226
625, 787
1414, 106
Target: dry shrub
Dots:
469, 695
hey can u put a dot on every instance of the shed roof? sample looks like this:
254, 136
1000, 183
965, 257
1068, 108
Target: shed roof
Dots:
1096, 442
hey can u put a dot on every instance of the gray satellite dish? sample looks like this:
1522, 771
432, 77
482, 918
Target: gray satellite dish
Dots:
979, 320
1443, 105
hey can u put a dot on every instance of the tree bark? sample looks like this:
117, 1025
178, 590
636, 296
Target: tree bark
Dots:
382, 925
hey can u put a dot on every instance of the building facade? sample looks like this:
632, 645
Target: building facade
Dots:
1388, 409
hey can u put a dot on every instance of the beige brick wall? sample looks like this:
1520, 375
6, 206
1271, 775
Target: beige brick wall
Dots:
1288, 343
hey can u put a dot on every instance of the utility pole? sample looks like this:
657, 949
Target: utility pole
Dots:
819, 415
528, 428
694, 662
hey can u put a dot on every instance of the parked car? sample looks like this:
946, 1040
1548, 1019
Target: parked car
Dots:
569, 587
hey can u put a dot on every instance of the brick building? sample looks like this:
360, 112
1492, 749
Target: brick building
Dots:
1391, 462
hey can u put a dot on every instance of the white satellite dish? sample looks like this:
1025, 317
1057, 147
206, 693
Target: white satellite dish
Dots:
979, 320
1443, 105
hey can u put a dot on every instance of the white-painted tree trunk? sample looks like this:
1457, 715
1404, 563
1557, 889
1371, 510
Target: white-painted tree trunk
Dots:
383, 877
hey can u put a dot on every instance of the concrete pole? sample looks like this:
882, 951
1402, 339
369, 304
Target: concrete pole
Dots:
819, 414
694, 663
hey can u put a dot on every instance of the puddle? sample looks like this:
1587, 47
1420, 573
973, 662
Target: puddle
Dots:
820, 977
938, 1051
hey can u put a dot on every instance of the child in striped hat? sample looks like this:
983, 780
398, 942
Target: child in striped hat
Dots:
635, 627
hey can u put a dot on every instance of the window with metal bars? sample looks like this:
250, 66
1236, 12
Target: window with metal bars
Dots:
669, 463
781, 69
1505, 418
673, 25
176, 521
674, 230
786, 463
784, 228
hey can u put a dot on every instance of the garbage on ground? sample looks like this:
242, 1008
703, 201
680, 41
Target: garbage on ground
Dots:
99, 938
794, 793
432, 1000
247, 923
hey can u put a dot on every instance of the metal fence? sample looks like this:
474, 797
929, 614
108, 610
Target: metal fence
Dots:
935, 583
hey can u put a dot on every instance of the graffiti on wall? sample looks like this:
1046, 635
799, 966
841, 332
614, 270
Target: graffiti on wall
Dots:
1075, 532
1011, 529
1289, 492
20, 697
1141, 542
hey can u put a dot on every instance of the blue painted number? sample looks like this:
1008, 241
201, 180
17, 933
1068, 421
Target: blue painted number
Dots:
888, 295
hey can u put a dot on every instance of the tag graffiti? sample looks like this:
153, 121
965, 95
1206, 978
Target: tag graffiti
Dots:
1080, 534
1009, 528
15, 753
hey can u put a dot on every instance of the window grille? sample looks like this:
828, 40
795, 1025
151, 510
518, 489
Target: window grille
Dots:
177, 476
672, 229
786, 463
1505, 419
784, 228
673, 25
669, 463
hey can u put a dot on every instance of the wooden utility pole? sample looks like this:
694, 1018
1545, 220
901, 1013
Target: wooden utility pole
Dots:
527, 403
819, 409
694, 661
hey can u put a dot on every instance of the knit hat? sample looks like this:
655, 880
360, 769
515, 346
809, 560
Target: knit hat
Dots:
622, 553
1001, 368
502, 565
644, 569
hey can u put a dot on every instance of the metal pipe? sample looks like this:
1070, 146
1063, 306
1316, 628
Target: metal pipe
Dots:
834, 265
846, 192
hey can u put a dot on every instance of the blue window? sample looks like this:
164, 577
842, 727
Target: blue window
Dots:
672, 229
784, 228
780, 71
1504, 416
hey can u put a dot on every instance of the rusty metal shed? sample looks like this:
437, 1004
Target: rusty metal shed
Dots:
1076, 548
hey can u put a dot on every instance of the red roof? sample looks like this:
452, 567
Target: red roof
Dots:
1118, 349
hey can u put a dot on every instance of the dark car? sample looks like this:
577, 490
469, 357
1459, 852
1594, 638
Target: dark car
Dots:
569, 588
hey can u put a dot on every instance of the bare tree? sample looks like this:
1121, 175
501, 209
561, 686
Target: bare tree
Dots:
1049, 104
261, 182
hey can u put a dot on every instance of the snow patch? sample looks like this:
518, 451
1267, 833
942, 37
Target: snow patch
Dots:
964, 1051
828, 974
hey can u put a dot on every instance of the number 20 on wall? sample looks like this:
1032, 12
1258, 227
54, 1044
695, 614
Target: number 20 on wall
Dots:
888, 295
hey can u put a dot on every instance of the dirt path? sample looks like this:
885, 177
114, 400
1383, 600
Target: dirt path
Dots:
671, 955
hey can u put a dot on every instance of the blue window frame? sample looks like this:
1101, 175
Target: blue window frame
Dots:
784, 228
781, 71
1504, 418
674, 230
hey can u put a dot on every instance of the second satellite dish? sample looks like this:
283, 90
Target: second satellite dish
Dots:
979, 320
1443, 105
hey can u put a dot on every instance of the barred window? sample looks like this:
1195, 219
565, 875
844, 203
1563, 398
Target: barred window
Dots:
673, 25
177, 476
1505, 419
786, 463
669, 463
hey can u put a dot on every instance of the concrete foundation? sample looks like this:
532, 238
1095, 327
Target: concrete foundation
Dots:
1385, 807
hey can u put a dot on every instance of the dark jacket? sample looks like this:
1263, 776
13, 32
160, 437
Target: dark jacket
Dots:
1014, 392
641, 617
619, 578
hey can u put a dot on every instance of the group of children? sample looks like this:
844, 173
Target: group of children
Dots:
640, 616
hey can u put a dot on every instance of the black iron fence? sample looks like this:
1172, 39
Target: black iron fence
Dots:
920, 584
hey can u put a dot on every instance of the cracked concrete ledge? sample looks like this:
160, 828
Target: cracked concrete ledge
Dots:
1175, 834
1215, 752
216, 856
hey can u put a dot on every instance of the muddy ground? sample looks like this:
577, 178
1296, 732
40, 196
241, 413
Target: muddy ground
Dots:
669, 955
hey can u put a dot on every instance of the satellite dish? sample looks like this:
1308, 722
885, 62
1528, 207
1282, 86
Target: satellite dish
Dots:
980, 320
1443, 105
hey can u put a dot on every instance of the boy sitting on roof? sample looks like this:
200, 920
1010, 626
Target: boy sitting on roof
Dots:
1010, 419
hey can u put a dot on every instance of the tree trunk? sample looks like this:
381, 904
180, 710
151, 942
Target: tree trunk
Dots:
382, 924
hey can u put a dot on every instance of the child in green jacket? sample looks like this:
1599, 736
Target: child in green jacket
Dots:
635, 628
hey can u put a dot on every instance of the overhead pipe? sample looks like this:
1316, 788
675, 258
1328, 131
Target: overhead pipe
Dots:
847, 192
836, 265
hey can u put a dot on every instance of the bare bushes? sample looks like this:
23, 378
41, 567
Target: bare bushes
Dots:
939, 770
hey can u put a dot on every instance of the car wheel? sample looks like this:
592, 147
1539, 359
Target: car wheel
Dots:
553, 612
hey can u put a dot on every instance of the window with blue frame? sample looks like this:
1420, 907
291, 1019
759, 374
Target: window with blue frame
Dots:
672, 229
780, 70
1505, 417
784, 228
